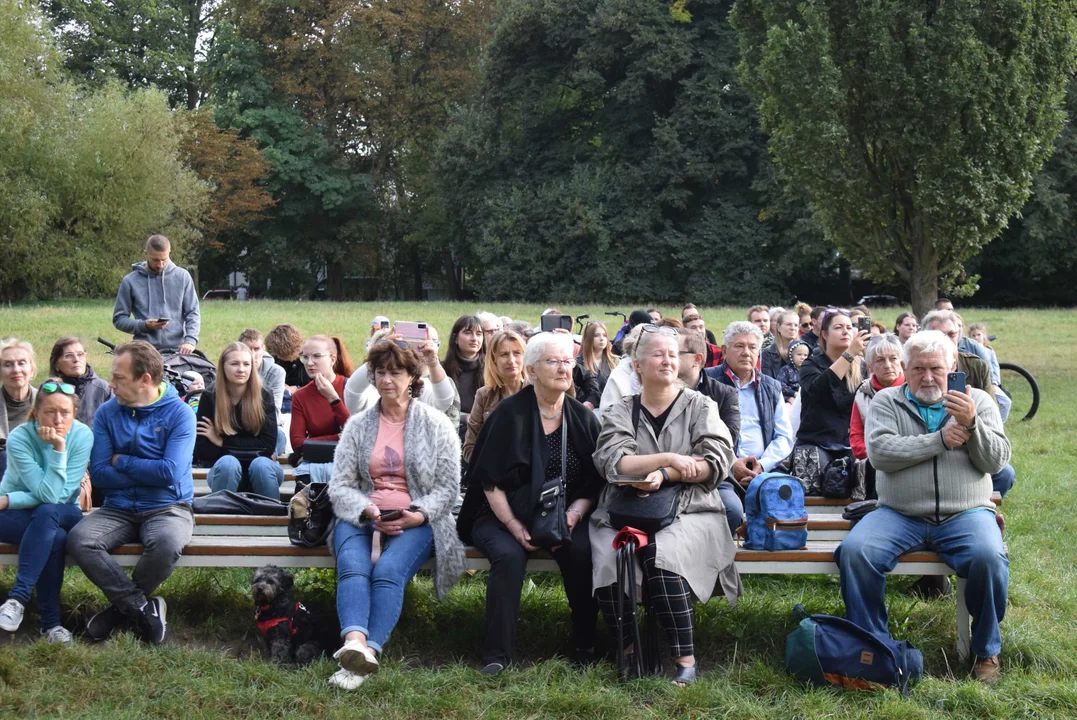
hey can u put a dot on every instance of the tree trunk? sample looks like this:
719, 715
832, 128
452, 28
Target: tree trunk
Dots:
334, 280
924, 278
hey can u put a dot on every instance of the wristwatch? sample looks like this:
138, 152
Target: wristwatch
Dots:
847, 357
334, 403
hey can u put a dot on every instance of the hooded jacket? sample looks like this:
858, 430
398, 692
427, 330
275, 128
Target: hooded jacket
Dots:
93, 392
154, 445
147, 296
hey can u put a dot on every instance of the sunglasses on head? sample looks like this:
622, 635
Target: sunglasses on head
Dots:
834, 311
51, 387
659, 330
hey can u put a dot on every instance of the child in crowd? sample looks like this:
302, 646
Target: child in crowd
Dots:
789, 375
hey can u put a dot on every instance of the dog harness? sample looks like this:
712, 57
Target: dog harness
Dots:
265, 624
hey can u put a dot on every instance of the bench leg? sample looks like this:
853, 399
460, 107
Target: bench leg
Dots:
964, 623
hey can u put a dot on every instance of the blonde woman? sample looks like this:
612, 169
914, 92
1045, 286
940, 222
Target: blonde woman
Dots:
504, 375
237, 428
17, 370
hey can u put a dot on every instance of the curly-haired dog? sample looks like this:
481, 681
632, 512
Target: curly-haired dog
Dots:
289, 631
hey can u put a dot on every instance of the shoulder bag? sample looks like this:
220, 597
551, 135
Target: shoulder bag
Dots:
549, 525
648, 512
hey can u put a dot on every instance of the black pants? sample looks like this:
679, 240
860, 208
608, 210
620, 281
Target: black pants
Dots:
508, 562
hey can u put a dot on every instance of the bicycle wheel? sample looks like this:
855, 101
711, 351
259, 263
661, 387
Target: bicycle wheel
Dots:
1022, 389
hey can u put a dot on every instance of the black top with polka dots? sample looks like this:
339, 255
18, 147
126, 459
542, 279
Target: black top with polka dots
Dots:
553, 463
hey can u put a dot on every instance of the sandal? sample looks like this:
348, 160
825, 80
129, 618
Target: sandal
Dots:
684, 675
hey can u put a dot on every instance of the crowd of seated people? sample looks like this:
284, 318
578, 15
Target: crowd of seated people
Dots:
507, 411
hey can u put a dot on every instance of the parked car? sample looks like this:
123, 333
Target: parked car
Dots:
220, 295
879, 301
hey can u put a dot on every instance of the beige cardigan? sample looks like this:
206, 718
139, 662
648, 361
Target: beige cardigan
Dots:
697, 546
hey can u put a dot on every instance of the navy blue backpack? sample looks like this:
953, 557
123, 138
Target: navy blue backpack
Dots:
774, 508
831, 651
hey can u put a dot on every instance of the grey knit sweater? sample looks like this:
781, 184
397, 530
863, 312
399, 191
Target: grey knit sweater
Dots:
921, 477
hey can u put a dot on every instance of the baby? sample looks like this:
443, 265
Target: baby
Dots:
789, 375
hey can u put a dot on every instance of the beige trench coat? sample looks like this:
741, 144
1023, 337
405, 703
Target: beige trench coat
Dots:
697, 546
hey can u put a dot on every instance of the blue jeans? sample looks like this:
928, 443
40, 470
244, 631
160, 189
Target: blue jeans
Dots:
734, 508
1002, 481
282, 442
370, 597
41, 534
265, 476
970, 543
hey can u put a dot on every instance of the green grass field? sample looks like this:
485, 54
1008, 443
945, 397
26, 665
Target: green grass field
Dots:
210, 667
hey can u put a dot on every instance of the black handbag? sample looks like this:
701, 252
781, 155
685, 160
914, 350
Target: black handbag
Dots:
314, 451
227, 502
549, 524
310, 516
838, 477
647, 512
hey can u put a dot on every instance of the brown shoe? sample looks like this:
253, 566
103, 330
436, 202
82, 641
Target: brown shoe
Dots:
986, 670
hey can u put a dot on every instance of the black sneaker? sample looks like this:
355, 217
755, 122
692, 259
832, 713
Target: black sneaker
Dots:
152, 623
104, 623
931, 587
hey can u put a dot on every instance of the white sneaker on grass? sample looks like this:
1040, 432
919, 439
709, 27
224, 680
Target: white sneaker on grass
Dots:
58, 635
346, 679
11, 613
356, 657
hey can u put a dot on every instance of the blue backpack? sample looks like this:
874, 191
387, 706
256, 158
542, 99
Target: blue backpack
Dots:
831, 651
774, 506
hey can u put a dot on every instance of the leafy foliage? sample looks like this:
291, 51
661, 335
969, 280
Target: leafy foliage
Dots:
913, 130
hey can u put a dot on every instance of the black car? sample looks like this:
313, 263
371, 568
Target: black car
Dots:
879, 301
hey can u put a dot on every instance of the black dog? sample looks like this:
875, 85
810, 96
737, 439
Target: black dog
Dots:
291, 637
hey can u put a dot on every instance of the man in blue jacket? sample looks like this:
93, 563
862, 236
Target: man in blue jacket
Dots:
162, 300
141, 460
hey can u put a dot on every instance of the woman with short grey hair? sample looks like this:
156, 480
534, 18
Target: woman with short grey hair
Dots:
883, 356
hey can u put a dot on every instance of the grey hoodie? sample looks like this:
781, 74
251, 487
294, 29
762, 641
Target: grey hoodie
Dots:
147, 297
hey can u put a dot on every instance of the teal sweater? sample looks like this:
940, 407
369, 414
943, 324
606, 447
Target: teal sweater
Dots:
37, 474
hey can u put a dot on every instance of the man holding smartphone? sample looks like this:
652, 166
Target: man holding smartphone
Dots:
157, 301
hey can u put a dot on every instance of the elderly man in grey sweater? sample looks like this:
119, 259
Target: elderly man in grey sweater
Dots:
935, 451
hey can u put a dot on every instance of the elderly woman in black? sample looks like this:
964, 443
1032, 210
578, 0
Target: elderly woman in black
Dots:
522, 446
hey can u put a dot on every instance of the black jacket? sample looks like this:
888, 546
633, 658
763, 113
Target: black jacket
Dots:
295, 375
244, 445
510, 454
811, 338
588, 388
728, 400
826, 405
771, 361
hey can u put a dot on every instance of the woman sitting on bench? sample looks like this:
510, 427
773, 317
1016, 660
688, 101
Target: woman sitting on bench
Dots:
237, 428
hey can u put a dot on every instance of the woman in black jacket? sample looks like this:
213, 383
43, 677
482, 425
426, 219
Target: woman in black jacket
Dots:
828, 383
237, 428
521, 447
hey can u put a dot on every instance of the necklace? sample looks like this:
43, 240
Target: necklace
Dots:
556, 413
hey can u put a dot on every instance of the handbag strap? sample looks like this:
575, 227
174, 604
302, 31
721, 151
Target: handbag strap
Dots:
564, 445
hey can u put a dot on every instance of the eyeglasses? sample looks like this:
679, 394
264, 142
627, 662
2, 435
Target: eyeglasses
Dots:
659, 330
555, 364
50, 387
316, 356
72, 357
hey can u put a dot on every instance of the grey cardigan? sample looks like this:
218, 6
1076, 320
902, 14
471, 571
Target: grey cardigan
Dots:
432, 467
917, 474
697, 546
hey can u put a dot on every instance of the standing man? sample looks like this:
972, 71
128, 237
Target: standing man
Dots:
143, 443
162, 299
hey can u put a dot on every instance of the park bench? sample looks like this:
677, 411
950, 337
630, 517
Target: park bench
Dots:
249, 541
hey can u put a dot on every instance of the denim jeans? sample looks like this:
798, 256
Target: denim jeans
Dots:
970, 543
282, 442
1002, 481
41, 534
163, 532
264, 474
370, 597
734, 508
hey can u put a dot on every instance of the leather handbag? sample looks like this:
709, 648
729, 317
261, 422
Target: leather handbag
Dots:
648, 512
310, 516
549, 524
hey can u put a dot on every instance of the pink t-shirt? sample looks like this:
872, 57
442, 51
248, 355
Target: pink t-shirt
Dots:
387, 468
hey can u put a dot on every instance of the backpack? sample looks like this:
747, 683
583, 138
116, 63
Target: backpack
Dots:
830, 651
838, 477
774, 507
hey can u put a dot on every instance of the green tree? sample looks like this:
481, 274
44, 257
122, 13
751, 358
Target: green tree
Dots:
913, 130
613, 156
85, 176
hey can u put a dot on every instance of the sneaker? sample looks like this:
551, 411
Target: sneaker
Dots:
931, 587
152, 622
356, 657
103, 623
58, 635
986, 670
346, 679
11, 613
493, 668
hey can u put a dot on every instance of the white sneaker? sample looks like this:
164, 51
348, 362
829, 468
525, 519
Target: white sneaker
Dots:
59, 635
11, 615
356, 657
346, 679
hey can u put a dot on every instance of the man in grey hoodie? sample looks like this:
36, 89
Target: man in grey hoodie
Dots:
162, 299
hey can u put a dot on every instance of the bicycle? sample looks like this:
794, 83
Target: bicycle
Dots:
1020, 387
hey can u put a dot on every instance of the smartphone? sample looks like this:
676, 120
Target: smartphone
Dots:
390, 515
164, 320
413, 333
555, 322
384, 324
955, 381
863, 323
626, 479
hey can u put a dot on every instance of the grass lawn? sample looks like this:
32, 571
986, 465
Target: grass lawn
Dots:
211, 667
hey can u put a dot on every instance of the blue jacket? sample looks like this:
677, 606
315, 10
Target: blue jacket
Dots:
155, 445
766, 399
37, 474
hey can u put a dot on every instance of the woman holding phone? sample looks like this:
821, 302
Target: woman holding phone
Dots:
438, 390
396, 474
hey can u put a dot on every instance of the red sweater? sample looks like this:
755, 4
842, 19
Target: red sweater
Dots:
856, 422
312, 416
